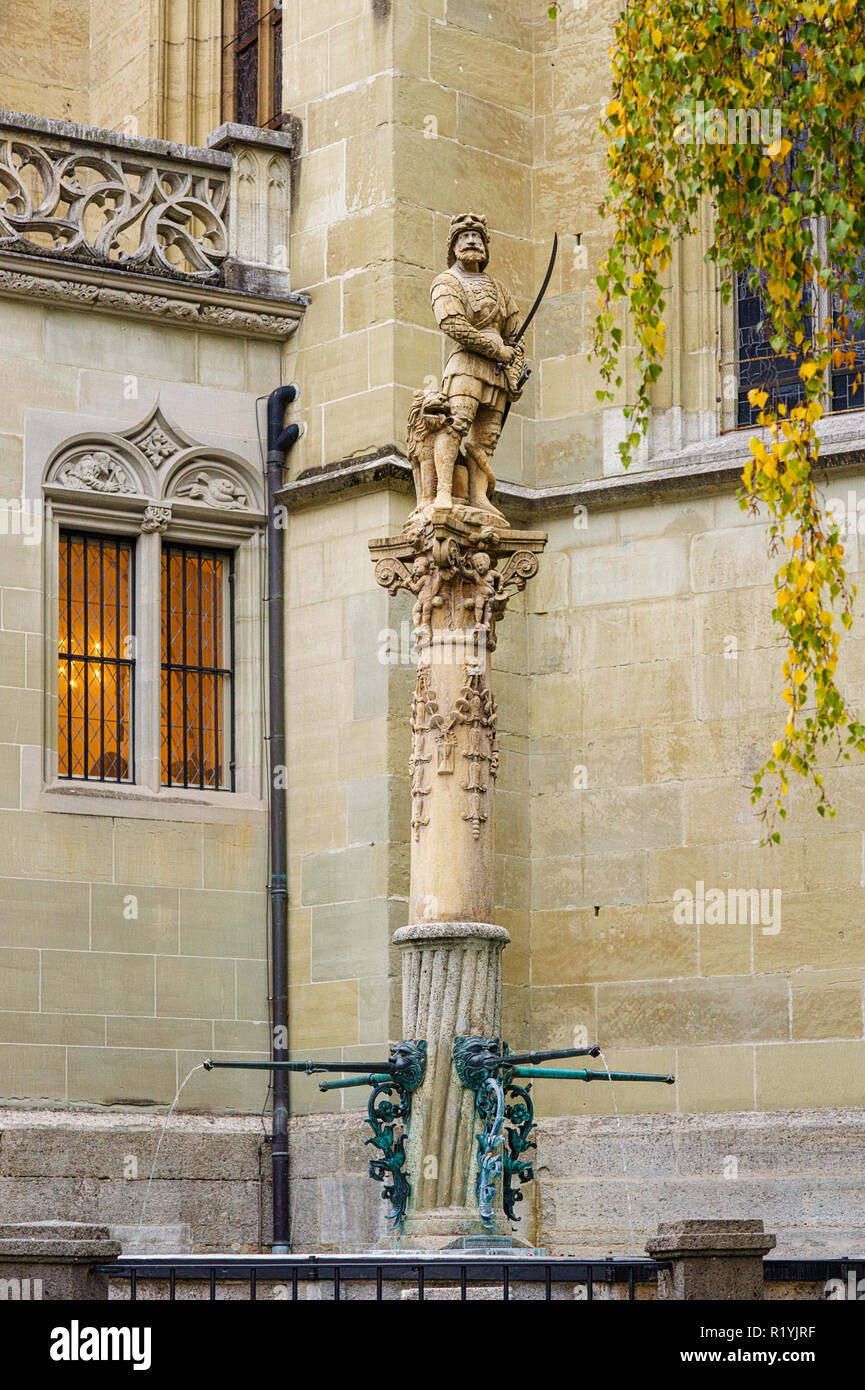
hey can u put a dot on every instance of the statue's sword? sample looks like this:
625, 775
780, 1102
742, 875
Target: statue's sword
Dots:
521, 332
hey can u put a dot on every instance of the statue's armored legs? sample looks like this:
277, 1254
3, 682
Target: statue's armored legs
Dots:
447, 447
480, 447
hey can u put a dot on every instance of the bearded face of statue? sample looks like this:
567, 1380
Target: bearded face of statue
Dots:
470, 251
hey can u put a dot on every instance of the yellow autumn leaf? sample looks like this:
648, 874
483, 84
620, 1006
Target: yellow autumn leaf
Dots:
779, 149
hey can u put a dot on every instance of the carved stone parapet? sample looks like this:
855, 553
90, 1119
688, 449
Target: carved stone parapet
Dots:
259, 201
94, 196
146, 228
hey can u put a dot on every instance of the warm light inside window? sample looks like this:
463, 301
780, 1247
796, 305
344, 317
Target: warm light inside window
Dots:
96, 658
197, 720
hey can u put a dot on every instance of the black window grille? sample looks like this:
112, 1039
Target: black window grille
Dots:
96, 657
197, 668
847, 379
759, 365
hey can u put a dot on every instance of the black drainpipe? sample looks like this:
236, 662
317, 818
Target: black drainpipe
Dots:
279, 440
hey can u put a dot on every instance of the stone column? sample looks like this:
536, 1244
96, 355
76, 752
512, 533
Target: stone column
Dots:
55, 1261
451, 949
711, 1260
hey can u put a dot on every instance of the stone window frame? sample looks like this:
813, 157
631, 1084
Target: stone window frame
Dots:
152, 510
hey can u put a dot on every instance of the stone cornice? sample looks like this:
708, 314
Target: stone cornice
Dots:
691, 475
184, 303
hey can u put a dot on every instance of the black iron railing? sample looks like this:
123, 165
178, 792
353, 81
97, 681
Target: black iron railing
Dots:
515, 1277
415, 1274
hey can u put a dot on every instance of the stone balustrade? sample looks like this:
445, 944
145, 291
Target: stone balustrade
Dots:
138, 226
113, 200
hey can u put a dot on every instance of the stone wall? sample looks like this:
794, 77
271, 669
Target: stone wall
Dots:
412, 112
655, 695
134, 939
150, 69
601, 1189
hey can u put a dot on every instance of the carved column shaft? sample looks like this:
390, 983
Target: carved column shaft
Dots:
451, 949
453, 768
451, 987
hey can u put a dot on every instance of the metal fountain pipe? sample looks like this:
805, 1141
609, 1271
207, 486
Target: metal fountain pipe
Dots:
308, 1067
280, 438
560, 1074
509, 1058
371, 1080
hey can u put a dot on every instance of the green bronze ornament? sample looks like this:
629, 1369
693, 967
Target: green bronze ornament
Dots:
489, 1069
520, 1118
385, 1114
475, 1059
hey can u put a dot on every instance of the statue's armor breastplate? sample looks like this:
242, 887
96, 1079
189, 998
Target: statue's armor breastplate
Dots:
485, 302
481, 300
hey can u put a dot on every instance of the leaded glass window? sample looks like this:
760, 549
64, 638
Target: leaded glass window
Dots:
197, 657
96, 677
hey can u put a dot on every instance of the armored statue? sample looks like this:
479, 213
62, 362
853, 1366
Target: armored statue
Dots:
453, 432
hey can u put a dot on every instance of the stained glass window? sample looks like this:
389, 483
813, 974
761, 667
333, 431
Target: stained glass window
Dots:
759, 364
197, 657
96, 658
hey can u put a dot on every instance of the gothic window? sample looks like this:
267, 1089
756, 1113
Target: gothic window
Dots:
252, 63
96, 675
848, 391
197, 648
757, 365
154, 552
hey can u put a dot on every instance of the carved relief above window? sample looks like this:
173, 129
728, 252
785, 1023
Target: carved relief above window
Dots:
213, 486
96, 471
155, 465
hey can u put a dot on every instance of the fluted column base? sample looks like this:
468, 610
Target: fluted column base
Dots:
452, 981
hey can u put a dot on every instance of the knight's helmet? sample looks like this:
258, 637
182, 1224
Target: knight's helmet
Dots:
468, 222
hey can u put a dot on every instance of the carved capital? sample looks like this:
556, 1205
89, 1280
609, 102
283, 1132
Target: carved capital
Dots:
461, 576
155, 518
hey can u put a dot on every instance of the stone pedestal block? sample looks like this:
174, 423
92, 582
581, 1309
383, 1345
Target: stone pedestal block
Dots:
55, 1261
711, 1260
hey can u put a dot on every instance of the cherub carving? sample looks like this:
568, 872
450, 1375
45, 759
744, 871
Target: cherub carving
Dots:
487, 585
425, 582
